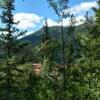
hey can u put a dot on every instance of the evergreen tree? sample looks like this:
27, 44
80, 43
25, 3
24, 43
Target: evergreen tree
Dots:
59, 7
10, 71
46, 35
97, 15
89, 59
48, 51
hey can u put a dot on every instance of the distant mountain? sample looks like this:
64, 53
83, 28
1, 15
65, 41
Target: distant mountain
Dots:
55, 32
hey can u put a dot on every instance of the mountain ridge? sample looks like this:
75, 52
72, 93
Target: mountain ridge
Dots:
55, 32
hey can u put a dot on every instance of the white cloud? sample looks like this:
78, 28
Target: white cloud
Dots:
66, 22
29, 32
83, 7
52, 23
80, 20
27, 20
77, 10
31, 20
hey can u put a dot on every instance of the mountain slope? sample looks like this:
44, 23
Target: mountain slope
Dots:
36, 37
55, 32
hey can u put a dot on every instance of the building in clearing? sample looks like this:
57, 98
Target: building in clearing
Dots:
37, 68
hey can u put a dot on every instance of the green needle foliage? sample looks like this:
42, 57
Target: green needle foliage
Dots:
73, 74
13, 55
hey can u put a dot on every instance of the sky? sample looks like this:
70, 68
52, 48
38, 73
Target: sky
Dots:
31, 13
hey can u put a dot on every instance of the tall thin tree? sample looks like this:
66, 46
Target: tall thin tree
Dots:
9, 83
60, 7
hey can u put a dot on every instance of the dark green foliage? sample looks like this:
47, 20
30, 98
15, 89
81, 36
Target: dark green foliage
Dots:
76, 78
46, 35
36, 38
13, 55
97, 15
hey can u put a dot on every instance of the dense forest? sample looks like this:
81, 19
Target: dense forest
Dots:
54, 63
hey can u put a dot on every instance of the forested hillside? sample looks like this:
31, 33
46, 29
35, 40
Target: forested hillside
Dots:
36, 37
54, 63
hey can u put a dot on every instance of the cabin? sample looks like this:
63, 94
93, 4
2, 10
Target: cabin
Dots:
37, 68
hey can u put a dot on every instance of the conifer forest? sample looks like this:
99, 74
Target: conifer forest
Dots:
55, 62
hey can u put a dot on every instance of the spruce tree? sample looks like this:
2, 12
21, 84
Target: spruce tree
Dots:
89, 60
46, 35
12, 58
48, 52
97, 15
